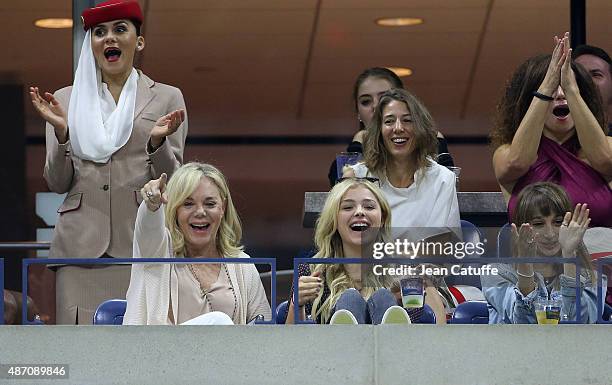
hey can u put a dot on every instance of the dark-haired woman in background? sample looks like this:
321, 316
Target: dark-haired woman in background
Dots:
368, 88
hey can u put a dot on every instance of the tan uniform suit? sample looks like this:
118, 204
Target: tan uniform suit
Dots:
97, 217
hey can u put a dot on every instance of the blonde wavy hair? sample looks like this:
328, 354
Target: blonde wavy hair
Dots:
183, 183
329, 245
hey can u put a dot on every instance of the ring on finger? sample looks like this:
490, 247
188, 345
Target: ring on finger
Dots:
149, 194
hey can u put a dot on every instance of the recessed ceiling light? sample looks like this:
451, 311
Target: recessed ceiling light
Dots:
54, 23
400, 71
398, 21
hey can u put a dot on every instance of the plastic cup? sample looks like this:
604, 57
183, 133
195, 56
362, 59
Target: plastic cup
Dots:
345, 159
548, 311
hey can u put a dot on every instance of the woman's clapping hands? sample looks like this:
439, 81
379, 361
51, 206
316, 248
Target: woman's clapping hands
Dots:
573, 228
165, 126
524, 240
50, 110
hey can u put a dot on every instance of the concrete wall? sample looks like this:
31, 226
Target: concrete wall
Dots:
391, 354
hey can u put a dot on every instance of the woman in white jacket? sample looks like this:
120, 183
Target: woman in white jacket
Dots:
198, 220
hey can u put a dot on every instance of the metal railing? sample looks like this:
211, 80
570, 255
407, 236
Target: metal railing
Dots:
454, 261
129, 261
599, 263
2, 286
25, 245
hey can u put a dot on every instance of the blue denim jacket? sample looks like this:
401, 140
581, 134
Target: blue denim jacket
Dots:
507, 305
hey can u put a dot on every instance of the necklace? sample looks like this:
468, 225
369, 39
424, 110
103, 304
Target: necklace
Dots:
203, 291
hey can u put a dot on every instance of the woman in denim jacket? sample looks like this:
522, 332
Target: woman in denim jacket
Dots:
548, 228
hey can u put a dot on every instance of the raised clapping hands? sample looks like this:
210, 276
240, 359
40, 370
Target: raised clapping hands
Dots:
568, 78
154, 193
573, 228
308, 288
560, 72
50, 110
553, 74
166, 125
524, 240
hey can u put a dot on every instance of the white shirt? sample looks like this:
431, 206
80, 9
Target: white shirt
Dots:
427, 207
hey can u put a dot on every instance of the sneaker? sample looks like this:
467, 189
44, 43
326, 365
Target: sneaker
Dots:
396, 315
343, 317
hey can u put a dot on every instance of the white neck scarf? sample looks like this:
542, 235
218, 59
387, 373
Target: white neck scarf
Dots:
96, 129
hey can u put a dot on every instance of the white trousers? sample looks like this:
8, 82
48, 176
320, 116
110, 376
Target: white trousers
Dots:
212, 318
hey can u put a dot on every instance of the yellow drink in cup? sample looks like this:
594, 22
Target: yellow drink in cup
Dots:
548, 312
545, 319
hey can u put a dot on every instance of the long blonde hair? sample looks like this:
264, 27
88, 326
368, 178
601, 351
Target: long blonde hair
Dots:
329, 245
183, 183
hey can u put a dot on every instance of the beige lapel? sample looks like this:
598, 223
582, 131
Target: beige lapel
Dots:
144, 93
235, 273
173, 292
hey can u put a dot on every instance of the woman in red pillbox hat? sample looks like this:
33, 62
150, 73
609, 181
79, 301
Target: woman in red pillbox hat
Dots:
108, 134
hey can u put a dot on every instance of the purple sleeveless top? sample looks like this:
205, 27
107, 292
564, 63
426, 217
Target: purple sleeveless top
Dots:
559, 164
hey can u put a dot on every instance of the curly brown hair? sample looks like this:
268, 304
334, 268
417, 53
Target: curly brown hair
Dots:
519, 93
425, 142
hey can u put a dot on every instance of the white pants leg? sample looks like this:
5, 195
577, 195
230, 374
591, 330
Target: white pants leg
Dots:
212, 318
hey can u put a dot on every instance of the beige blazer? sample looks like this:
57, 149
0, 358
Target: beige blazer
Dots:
99, 212
154, 287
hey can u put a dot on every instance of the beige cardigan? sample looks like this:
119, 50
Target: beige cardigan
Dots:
153, 285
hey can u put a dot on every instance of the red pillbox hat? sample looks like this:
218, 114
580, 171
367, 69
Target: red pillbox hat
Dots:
112, 10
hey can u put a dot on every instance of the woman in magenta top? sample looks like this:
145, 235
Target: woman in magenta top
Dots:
550, 126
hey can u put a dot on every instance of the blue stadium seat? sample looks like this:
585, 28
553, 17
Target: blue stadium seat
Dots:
607, 312
471, 313
110, 312
504, 241
471, 233
281, 312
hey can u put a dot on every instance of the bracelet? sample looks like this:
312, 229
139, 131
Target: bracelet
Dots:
542, 96
525, 275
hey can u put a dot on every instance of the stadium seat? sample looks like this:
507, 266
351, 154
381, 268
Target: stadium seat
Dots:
471, 233
281, 312
607, 312
504, 242
110, 312
471, 313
